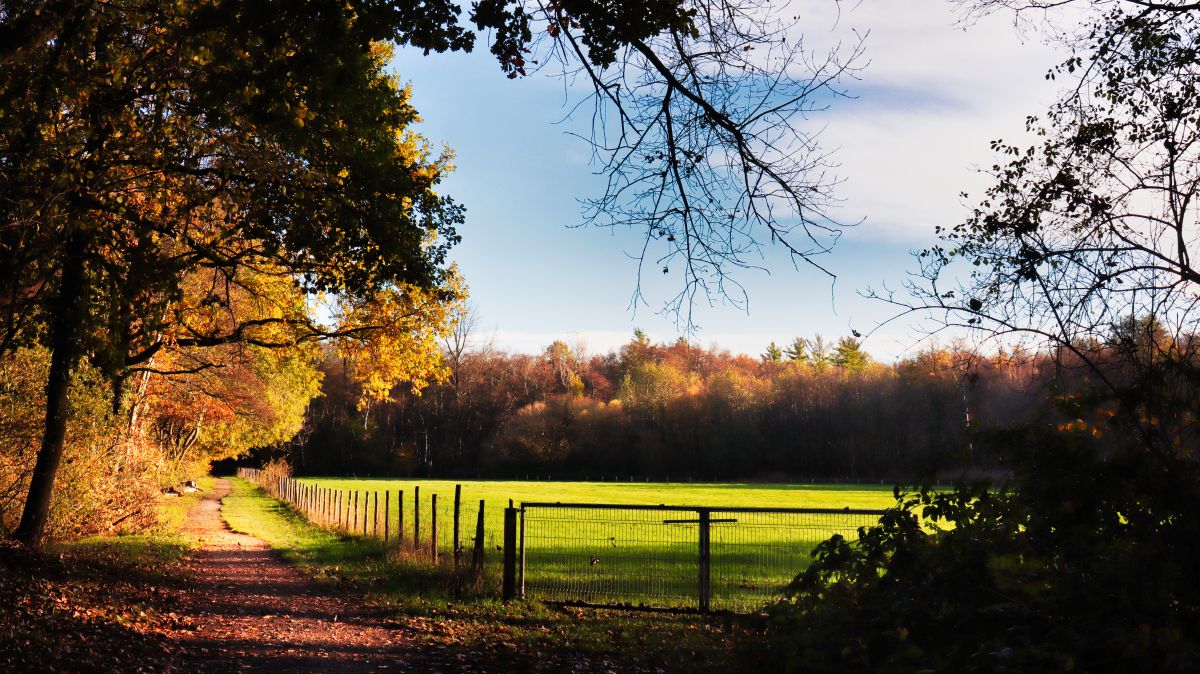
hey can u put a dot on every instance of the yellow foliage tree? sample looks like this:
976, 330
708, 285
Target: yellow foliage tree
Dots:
395, 337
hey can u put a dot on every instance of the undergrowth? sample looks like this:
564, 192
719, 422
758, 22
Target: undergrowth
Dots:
97, 605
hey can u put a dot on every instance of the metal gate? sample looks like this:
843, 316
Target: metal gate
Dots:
672, 557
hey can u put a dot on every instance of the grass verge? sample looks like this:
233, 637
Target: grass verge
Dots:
446, 610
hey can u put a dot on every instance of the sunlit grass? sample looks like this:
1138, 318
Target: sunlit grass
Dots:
367, 563
450, 608
161, 544
611, 556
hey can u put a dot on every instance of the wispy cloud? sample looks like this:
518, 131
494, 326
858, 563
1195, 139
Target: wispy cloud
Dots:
928, 105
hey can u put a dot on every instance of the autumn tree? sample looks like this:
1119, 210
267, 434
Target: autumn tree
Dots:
142, 141
225, 399
395, 336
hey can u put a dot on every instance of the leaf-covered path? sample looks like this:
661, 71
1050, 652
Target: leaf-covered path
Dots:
246, 610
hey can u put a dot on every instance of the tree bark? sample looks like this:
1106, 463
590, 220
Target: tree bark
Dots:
65, 352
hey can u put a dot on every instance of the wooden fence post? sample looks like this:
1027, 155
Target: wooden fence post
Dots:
399, 517
705, 561
477, 553
387, 506
509, 584
354, 522
433, 551
456, 549
416, 518
375, 517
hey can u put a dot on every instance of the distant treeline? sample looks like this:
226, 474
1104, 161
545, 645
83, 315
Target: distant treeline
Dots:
811, 410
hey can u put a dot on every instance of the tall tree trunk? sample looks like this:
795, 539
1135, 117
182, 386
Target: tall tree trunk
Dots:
65, 353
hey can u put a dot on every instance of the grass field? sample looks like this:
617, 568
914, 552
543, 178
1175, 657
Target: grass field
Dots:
640, 557
440, 609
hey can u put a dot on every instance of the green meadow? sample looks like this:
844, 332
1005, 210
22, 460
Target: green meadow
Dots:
608, 556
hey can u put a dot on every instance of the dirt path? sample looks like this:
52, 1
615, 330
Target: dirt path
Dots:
249, 611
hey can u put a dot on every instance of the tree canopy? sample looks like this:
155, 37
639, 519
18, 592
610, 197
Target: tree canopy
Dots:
149, 146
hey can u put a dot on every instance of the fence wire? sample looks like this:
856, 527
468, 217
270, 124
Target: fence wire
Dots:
402, 517
673, 557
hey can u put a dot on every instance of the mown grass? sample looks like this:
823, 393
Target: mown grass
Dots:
498, 492
448, 609
623, 557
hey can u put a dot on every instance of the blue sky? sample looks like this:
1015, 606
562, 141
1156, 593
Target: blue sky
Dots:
925, 109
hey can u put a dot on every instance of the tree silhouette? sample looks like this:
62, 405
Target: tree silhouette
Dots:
1080, 249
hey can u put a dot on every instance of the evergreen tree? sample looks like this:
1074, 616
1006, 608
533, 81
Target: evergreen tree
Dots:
818, 350
773, 354
797, 351
849, 355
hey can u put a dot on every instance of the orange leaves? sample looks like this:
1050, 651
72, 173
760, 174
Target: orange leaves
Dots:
221, 400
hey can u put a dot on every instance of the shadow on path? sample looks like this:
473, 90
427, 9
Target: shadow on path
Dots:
247, 610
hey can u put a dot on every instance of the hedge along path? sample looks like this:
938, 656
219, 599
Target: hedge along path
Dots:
247, 610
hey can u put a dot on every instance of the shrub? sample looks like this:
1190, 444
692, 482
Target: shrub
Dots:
1085, 561
107, 481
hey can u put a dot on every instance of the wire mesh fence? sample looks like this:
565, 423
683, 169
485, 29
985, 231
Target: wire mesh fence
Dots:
451, 528
674, 557
681, 557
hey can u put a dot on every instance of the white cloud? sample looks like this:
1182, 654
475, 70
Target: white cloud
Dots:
932, 98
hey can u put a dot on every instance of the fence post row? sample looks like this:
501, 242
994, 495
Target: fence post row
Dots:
338, 509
